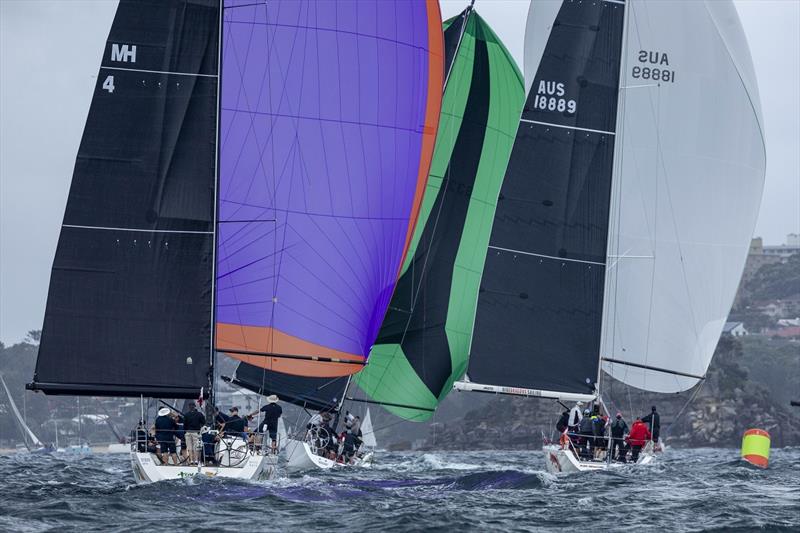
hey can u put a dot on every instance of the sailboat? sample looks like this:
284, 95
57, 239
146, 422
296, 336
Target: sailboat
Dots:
247, 183
29, 438
624, 219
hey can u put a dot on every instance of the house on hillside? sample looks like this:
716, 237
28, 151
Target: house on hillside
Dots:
789, 332
734, 329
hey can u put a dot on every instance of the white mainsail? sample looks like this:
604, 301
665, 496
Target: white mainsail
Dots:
26, 431
687, 187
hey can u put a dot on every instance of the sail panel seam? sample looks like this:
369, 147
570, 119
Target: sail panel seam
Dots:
546, 256
144, 230
160, 72
566, 127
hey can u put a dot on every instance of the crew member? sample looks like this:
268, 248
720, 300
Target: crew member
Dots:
193, 422
618, 430
235, 425
272, 412
166, 427
637, 438
654, 421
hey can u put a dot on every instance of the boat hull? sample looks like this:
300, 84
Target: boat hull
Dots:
147, 469
560, 460
300, 457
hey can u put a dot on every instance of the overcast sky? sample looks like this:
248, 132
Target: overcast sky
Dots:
50, 52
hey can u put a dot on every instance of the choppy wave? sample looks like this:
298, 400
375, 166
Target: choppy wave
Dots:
687, 490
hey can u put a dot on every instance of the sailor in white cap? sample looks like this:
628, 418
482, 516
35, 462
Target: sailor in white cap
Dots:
166, 427
272, 412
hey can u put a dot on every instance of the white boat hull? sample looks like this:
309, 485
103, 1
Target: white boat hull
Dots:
300, 457
147, 469
560, 460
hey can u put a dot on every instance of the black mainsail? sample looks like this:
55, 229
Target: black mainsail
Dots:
129, 307
539, 315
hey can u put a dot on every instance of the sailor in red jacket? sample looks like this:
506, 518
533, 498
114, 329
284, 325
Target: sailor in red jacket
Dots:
637, 438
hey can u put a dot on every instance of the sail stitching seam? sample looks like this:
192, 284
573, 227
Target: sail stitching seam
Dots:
160, 72
546, 256
566, 127
109, 228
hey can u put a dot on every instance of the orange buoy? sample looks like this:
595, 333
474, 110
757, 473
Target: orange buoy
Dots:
755, 447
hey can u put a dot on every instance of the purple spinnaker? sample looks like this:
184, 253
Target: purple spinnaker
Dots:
322, 125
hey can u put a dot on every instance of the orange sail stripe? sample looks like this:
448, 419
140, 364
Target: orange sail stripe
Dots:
235, 337
432, 112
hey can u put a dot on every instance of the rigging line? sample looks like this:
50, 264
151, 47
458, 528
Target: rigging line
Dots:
264, 3
443, 186
653, 368
390, 404
321, 358
688, 402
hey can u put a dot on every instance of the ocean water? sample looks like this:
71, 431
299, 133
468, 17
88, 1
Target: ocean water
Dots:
686, 490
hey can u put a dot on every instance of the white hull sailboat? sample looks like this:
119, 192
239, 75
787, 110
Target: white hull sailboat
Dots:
626, 211
234, 459
247, 465
302, 456
560, 459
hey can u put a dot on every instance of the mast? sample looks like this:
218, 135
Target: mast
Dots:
215, 224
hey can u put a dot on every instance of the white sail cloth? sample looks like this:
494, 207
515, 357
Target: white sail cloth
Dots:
689, 173
367, 433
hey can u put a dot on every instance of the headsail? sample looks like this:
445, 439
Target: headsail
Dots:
329, 114
424, 341
538, 323
367, 432
129, 305
687, 191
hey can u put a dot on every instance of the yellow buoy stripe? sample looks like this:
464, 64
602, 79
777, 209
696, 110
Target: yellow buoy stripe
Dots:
755, 445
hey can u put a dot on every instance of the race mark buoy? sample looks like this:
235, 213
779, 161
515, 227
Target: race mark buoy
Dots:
755, 447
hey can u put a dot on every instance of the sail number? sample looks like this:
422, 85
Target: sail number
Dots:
551, 96
554, 104
653, 65
655, 74
108, 85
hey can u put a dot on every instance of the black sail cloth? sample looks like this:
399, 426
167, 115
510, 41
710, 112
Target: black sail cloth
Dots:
539, 315
129, 306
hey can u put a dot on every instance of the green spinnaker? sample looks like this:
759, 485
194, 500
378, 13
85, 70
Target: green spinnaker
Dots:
423, 345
